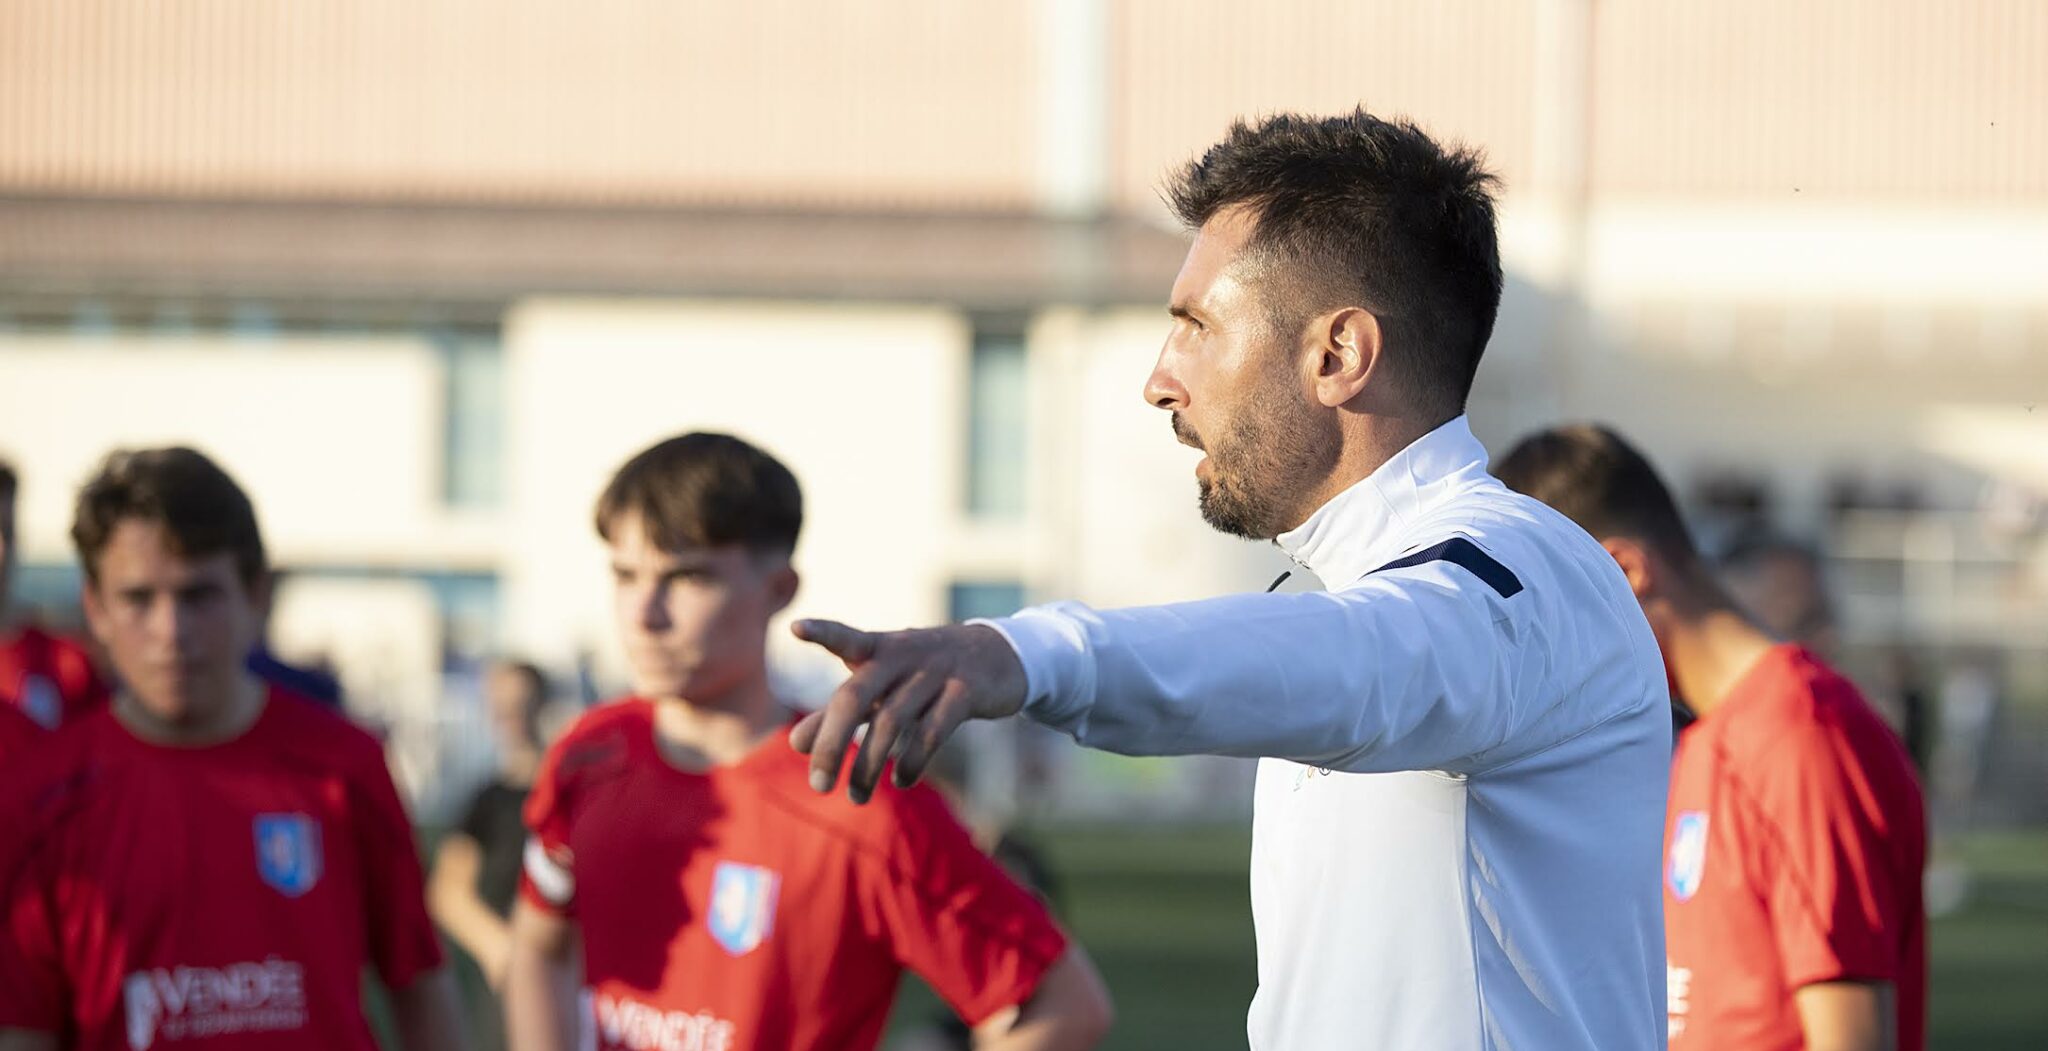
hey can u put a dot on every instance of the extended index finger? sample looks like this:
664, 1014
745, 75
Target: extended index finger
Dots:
849, 644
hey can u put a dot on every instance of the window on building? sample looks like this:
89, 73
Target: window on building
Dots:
472, 442
997, 425
968, 599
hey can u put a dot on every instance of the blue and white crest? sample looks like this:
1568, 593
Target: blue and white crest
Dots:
742, 906
288, 852
1688, 854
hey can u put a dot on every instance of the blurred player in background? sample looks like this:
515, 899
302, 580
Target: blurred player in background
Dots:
476, 868
1796, 835
719, 903
1782, 584
207, 862
44, 676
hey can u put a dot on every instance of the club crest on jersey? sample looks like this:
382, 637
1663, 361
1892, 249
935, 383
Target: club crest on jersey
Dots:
742, 906
39, 701
1688, 854
288, 852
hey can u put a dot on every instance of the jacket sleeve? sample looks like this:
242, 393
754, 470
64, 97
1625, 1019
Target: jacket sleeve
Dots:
1415, 670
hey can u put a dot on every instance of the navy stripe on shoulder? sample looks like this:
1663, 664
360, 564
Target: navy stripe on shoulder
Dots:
1461, 552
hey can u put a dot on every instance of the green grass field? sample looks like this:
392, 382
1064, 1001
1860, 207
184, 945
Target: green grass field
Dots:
1166, 916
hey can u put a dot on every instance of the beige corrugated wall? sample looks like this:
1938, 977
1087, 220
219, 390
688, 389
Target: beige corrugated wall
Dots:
934, 103
1850, 98
880, 102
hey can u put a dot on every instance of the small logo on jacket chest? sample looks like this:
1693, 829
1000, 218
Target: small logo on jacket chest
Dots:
1304, 774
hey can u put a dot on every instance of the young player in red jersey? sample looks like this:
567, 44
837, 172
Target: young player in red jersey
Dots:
46, 677
720, 904
1796, 834
207, 863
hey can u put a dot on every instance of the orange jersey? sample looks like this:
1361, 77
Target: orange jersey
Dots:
1794, 843
740, 909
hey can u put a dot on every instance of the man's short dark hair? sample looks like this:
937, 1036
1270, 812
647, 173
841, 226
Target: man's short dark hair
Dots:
10, 483
1595, 478
1359, 211
201, 509
706, 490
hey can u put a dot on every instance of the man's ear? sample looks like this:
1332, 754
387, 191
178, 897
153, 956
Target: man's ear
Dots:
1346, 343
1636, 564
782, 587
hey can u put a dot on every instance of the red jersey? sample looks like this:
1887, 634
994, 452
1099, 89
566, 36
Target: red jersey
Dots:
1794, 842
222, 898
49, 678
18, 735
739, 909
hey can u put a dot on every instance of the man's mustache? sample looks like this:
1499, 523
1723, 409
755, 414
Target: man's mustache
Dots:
1185, 433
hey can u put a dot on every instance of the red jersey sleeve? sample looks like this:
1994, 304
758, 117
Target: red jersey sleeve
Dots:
403, 942
34, 992
547, 869
955, 917
1834, 904
32, 986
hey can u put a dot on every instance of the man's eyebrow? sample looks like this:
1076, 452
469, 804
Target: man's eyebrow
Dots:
1182, 311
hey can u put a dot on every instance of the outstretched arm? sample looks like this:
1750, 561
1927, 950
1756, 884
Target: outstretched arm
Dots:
1396, 674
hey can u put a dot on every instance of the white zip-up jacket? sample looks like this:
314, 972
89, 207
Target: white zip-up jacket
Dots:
1466, 739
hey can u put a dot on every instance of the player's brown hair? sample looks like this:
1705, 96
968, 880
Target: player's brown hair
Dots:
201, 509
706, 490
1595, 478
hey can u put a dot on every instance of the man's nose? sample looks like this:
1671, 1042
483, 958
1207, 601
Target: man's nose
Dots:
1162, 389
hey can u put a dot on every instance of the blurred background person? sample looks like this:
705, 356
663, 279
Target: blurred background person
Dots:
315, 682
1783, 584
1796, 832
207, 861
475, 877
45, 676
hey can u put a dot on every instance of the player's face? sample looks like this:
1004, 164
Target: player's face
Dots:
178, 629
1239, 391
694, 622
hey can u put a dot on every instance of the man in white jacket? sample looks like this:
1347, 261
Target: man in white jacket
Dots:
1465, 738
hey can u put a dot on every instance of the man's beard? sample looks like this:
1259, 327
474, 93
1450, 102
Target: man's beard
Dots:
1264, 469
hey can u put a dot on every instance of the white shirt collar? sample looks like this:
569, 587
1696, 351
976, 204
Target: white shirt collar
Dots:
1366, 526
